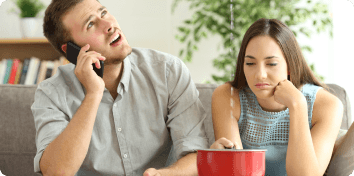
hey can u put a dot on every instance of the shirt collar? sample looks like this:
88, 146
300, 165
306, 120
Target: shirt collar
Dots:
126, 74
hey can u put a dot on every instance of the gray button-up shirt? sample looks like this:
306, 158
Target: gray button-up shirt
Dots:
157, 103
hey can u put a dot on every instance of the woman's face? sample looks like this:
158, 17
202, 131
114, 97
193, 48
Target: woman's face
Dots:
264, 66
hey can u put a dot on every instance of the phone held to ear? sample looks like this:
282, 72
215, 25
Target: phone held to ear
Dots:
73, 51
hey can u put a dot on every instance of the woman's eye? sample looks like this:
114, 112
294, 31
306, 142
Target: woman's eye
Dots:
249, 63
273, 64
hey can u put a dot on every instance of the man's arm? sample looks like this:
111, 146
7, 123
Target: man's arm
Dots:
65, 154
185, 120
186, 166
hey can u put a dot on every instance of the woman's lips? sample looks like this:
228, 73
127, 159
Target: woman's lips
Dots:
262, 86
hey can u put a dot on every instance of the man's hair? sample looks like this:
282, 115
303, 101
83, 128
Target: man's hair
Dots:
53, 27
300, 72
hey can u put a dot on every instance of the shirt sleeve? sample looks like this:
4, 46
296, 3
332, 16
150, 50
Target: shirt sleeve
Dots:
49, 118
185, 111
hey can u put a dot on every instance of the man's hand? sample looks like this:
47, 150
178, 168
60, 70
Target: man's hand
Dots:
84, 70
185, 166
152, 172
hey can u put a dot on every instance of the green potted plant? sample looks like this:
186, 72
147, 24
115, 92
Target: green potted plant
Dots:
27, 11
212, 17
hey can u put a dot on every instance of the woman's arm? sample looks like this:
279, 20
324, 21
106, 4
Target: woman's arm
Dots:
309, 152
224, 125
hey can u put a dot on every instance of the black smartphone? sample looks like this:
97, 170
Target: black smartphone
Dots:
73, 50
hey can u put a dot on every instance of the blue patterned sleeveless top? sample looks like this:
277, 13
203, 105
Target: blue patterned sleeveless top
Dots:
260, 129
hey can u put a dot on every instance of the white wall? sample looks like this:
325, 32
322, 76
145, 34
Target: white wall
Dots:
332, 56
150, 24
343, 57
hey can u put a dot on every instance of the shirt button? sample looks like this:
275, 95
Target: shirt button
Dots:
125, 156
115, 104
119, 129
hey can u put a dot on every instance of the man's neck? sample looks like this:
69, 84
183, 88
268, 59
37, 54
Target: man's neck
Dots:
112, 75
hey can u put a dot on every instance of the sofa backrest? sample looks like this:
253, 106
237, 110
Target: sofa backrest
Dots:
17, 131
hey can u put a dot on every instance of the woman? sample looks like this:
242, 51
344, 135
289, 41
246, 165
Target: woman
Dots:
277, 104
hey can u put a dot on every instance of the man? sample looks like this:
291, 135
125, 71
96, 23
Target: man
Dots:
119, 125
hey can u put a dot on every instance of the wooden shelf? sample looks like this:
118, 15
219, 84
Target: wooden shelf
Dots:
24, 41
27, 48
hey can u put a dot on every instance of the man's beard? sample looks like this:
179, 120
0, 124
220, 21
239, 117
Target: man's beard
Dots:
116, 61
113, 61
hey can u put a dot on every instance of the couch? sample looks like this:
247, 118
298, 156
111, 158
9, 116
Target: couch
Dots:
17, 131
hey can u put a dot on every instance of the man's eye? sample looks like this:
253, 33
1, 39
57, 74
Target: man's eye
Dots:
90, 25
104, 13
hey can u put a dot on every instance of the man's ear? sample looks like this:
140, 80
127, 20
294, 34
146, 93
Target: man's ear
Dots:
64, 47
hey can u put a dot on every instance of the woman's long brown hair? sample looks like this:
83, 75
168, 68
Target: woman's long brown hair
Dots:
300, 72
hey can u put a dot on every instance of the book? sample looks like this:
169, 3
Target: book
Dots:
32, 71
42, 72
13, 71
8, 70
56, 65
37, 64
18, 73
2, 70
29, 71
24, 71
37, 72
50, 67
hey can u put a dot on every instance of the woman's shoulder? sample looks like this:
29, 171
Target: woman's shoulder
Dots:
224, 90
326, 99
327, 105
223, 94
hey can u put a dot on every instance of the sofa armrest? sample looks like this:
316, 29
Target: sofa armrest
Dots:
342, 161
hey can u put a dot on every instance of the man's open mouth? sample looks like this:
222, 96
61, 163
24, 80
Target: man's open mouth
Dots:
115, 40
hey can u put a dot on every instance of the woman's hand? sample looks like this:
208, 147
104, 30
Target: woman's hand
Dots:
152, 172
287, 94
223, 143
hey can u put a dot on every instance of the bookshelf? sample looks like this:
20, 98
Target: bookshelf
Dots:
26, 48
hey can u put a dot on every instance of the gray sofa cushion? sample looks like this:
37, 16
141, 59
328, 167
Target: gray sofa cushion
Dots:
17, 146
205, 92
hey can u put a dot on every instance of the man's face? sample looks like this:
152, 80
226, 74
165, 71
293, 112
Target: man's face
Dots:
90, 23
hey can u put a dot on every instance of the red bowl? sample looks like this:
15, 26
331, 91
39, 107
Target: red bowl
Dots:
229, 162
